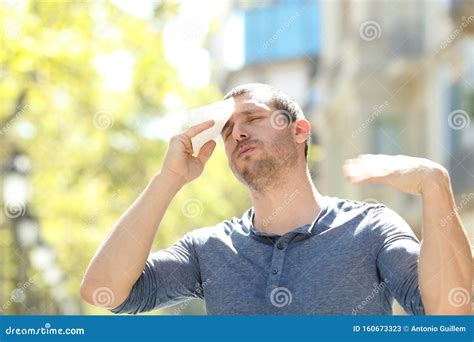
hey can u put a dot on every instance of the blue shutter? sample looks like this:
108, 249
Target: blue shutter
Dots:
287, 29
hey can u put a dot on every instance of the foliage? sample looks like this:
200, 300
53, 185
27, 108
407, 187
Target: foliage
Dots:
89, 160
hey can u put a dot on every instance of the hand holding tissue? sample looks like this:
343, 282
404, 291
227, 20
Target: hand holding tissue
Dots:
220, 112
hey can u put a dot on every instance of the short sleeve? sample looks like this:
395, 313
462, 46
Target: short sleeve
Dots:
170, 276
397, 254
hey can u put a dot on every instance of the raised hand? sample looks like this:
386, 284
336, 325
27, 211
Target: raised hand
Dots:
408, 174
179, 160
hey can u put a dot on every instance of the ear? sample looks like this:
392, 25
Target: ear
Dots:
302, 130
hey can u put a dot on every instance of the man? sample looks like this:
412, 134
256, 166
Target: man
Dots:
295, 251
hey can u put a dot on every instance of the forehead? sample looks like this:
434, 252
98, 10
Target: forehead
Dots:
252, 100
247, 103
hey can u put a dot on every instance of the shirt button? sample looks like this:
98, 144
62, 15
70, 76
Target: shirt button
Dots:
280, 245
274, 270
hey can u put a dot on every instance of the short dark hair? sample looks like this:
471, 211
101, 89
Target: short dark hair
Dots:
279, 99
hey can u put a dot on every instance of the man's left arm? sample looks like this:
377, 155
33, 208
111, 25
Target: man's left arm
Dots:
445, 263
445, 266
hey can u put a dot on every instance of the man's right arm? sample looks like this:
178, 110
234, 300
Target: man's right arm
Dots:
121, 257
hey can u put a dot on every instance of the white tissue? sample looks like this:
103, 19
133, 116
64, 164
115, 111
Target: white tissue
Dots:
220, 112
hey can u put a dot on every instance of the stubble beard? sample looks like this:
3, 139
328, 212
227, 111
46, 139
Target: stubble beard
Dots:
270, 169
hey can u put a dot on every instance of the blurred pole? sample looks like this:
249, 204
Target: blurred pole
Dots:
31, 252
15, 196
3, 257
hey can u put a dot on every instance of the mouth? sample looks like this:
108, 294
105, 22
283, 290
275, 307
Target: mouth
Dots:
245, 151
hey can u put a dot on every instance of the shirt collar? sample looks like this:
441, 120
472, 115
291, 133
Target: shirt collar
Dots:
306, 230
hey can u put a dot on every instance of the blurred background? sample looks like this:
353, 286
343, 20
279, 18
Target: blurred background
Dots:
91, 91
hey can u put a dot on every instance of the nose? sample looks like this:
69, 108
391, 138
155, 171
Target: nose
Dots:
239, 133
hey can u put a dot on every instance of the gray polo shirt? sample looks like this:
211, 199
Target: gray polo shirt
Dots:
353, 259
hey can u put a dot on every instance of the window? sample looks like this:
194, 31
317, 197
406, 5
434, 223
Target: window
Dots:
282, 30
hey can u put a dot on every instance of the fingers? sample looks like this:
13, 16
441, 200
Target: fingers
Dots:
347, 168
358, 170
206, 151
196, 129
367, 169
183, 141
350, 170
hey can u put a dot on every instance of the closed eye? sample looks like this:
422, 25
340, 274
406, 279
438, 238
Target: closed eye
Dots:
256, 118
228, 130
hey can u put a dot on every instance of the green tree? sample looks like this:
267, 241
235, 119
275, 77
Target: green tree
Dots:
89, 160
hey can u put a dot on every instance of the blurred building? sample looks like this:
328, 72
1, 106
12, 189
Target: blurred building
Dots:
389, 77
372, 76
397, 78
278, 42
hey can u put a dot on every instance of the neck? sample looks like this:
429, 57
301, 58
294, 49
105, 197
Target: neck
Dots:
292, 204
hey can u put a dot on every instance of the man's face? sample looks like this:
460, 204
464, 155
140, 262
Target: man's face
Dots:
258, 147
